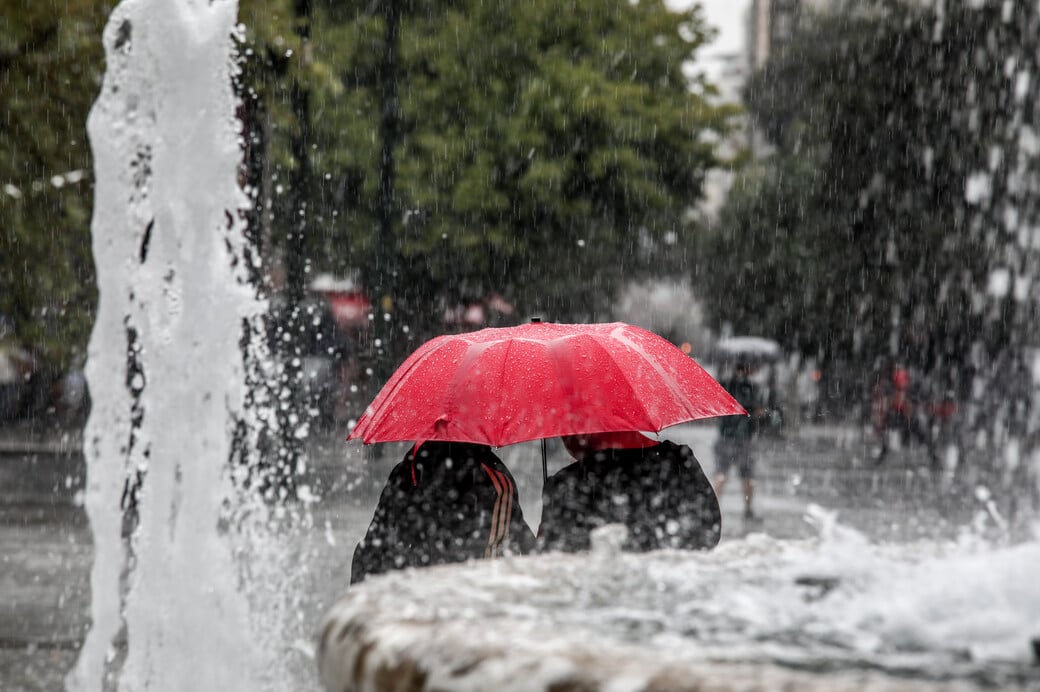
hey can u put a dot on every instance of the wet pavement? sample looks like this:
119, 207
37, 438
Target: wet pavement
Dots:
45, 541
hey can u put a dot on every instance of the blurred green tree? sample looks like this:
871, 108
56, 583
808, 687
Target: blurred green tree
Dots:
896, 218
546, 150
51, 65
862, 207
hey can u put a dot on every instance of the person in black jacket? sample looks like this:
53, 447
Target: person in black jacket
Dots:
445, 502
733, 446
657, 490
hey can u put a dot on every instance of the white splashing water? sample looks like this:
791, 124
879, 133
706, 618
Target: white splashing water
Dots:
957, 614
168, 243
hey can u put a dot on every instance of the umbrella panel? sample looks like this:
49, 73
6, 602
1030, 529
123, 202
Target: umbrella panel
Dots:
502, 386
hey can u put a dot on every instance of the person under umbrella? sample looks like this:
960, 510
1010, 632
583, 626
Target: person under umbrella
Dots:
658, 490
444, 502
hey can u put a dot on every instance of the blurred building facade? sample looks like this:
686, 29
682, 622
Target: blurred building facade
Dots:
770, 29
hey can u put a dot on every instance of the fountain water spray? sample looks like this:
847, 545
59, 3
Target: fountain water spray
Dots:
171, 607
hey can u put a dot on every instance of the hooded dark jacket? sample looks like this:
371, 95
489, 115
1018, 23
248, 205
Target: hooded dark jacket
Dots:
660, 493
741, 427
448, 502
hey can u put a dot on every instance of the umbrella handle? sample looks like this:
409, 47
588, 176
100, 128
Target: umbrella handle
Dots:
545, 466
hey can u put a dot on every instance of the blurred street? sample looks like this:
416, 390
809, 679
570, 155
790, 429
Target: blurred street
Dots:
45, 542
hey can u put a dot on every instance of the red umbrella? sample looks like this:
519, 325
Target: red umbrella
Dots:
500, 386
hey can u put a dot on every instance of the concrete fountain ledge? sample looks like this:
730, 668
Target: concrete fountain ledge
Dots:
565, 623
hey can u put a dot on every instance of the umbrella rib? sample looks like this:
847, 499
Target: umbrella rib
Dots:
505, 359
474, 349
618, 335
625, 376
417, 359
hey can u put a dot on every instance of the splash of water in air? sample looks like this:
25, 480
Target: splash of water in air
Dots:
170, 608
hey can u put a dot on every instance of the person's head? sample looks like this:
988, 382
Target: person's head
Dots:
441, 450
580, 446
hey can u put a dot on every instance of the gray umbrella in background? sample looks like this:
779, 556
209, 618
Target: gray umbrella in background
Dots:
754, 350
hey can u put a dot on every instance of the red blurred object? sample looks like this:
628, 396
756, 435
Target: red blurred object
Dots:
901, 378
349, 308
498, 303
500, 386
944, 410
468, 316
477, 312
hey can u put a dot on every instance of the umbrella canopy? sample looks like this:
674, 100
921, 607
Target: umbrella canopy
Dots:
501, 386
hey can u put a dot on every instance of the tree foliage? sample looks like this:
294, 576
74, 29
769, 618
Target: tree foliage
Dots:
902, 181
544, 148
51, 63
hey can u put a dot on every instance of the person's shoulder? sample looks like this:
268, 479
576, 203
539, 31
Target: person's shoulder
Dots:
488, 457
493, 470
401, 473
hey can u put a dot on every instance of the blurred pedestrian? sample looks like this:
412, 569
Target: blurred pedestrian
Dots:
16, 369
72, 399
905, 414
733, 447
656, 489
444, 502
